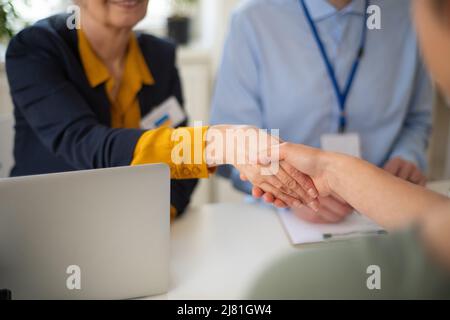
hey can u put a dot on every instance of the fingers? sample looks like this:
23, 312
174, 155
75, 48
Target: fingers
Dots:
308, 215
406, 170
278, 184
336, 207
331, 211
283, 186
287, 181
257, 193
393, 166
268, 198
418, 177
324, 215
277, 194
305, 182
274, 181
261, 185
294, 189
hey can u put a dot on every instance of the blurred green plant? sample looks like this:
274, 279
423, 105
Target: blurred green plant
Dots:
7, 16
9, 19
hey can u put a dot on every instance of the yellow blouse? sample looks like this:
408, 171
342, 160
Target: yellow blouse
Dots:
155, 146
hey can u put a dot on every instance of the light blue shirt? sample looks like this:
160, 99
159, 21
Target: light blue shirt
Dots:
273, 76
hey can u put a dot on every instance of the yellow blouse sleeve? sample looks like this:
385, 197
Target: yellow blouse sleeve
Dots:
182, 149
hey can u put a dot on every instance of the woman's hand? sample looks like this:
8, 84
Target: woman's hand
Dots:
241, 146
310, 163
291, 187
406, 170
388, 201
331, 210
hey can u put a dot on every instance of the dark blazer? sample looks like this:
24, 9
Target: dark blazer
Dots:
62, 124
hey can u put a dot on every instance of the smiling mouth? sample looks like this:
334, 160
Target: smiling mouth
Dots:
126, 4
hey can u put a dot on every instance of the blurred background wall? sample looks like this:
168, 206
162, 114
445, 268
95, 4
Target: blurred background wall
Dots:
198, 60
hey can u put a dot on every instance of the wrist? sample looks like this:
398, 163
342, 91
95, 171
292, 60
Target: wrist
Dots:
217, 147
332, 165
229, 144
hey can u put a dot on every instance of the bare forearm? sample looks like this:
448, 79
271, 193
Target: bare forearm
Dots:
390, 201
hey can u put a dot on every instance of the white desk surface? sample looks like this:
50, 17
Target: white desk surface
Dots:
218, 250
442, 187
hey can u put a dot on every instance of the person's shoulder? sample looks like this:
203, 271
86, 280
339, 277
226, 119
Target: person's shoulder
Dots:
255, 12
45, 33
153, 45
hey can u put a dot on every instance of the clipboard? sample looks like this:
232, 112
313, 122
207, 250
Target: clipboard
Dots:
300, 232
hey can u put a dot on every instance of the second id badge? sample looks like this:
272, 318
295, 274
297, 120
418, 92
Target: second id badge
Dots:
348, 143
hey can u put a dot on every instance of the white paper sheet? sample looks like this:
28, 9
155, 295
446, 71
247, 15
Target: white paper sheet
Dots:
302, 232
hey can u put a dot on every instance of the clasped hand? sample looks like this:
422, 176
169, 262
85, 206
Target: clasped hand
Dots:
314, 163
295, 176
243, 146
285, 178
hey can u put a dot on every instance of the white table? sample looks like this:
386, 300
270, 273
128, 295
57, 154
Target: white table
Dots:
442, 187
219, 250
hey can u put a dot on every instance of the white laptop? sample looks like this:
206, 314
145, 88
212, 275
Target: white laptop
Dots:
100, 234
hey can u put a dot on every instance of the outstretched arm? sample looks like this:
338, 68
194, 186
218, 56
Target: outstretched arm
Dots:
389, 201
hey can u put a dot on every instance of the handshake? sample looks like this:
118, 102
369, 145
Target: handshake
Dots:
291, 175
281, 173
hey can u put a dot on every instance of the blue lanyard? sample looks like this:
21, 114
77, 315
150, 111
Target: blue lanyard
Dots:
341, 95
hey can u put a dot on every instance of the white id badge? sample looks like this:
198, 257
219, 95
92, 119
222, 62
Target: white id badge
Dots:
348, 143
167, 114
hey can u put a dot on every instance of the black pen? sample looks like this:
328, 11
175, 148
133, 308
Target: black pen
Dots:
328, 236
